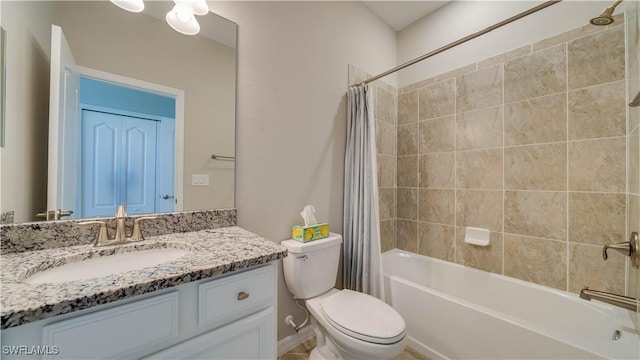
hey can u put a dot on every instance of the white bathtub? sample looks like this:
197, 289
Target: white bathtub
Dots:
457, 312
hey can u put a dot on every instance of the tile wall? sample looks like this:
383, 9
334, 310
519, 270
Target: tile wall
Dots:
633, 148
530, 144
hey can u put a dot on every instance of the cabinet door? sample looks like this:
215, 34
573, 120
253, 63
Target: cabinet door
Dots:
115, 332
252, 337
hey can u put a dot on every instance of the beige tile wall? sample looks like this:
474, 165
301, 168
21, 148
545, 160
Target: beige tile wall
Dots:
530, 144
386, 115
633, 149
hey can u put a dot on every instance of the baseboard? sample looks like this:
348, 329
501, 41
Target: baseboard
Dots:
294, 340
424, 349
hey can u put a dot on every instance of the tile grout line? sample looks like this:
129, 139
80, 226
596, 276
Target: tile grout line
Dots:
503, 170
627, 155
455, 170
567, 213
418, 178
520, 190
395, 178
394, 218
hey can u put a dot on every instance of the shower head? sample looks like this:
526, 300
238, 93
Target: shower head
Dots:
606, 17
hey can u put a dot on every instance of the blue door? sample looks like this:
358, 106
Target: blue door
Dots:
118, 163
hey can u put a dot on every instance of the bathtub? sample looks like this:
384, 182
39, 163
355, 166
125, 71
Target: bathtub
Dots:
456, 312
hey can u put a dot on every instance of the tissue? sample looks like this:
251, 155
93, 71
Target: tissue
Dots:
309, 215
311, 230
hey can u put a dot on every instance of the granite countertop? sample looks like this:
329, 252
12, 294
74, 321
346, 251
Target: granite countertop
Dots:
211, 252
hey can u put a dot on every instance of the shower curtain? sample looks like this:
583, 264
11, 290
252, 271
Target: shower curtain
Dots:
362, 261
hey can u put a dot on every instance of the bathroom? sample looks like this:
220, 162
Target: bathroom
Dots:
292, 73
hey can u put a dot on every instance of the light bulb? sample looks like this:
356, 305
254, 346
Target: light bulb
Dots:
183, 14
181, 19
198, 7
130, 5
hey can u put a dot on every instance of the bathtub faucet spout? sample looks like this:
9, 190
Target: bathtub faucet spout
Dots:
626, 302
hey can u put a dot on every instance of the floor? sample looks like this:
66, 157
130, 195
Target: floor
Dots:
301, 352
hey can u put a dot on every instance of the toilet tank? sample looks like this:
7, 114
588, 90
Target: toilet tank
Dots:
311, 268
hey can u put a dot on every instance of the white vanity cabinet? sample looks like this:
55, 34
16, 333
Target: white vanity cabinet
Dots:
229, 317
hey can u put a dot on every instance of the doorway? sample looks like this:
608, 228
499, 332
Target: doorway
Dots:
127, 147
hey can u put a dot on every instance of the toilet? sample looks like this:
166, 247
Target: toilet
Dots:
347, 324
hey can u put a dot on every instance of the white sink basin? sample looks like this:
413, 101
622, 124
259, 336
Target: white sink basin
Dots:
106, 265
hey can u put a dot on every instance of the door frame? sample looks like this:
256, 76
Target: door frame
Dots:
62, 62
179, 118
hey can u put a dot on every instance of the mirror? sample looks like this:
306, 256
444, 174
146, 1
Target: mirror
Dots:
111, 44
3, 42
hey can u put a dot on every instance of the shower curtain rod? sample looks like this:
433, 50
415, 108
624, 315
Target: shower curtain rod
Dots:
463, 40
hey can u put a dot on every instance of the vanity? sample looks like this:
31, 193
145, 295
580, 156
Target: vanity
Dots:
217, 299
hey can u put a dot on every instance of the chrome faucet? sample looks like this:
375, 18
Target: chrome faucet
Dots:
120, 236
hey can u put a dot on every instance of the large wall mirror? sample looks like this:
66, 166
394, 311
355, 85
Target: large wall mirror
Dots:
141, 109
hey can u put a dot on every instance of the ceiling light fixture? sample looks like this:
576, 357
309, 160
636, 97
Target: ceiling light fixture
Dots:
181, 18
198, 7
130, 5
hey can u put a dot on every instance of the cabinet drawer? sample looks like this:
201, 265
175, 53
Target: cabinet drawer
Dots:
115, 332
224, 300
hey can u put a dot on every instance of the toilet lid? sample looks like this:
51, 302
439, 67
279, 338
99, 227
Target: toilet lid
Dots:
364, 317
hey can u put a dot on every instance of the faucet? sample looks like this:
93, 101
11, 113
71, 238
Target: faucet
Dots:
622, 301
120, 237
121, 227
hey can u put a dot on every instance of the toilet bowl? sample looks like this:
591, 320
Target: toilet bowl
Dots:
379, 334
347, 324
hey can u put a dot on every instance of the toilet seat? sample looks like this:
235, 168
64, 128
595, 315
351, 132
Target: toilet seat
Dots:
363, 317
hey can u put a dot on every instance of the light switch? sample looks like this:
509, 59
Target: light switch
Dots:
199, 180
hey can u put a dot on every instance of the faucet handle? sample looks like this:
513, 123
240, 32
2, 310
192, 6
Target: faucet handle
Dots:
629, 248
136, 233
624, 248
103, 233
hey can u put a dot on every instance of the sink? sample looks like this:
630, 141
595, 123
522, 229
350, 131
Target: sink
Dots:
96, 265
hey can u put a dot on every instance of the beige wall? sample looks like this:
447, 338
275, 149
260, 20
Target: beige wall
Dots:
24, 157
461, 18
291, 124
148, 49
530, 144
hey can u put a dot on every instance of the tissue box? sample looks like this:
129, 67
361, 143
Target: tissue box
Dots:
310, 233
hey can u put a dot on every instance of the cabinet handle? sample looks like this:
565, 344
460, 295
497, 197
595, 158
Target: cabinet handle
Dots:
243, 295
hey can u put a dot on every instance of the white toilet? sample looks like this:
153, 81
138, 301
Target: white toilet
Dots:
347, 324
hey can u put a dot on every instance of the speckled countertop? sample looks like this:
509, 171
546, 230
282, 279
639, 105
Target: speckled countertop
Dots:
211, 252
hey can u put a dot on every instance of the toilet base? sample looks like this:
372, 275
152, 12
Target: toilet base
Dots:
316, 354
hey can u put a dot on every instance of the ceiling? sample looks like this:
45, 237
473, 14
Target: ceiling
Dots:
400, 14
